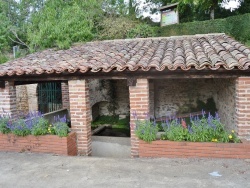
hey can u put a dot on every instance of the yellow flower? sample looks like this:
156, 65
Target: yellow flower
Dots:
215, 140
230, 136
50, 125
232, 131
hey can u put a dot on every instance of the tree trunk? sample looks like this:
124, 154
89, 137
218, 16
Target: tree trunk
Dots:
212, 14
131, 9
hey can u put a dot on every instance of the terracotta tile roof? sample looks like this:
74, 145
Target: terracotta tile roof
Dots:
210, 51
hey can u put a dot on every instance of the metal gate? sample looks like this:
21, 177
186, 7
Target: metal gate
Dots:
49, 96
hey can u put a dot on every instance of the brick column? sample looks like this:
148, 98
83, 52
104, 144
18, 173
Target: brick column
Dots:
80, 114
8, 100
243, 106
65, 95
139, 103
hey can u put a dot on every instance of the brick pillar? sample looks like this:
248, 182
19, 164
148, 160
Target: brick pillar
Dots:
80, 114
65, 95
243, 106
139, 103
8, 100
152, 99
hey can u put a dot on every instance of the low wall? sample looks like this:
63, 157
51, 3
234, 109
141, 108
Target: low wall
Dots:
171, 149
51, 115
39, 144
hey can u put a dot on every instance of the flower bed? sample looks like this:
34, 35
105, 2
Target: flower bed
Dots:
203, 136
34, 133
173, 149
40, 144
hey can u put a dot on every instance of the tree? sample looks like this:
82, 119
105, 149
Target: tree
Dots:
60, 23
208, 5
244, 7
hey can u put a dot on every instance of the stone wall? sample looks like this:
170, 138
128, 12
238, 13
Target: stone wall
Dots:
225, 101
98, 91
100, 96
177, 96
26, 98
22, 99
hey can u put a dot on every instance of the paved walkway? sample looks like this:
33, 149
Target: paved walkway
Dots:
44, 170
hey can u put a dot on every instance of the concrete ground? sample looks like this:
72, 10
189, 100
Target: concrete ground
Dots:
116, 147
45, 170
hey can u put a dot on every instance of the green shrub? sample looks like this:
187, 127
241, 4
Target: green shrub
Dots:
40, 127
3, 58
61, 129
146, 130
142, 31
235, 26
20, 128
4, 125
205, 129
175, 132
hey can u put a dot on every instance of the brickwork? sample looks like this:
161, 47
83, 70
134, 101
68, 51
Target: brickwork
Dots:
80, 114
243, 106
65, 95
152, 99
139, 103
163, 148
39, 144
8, 100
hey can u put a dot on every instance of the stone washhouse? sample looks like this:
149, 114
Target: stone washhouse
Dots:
160, 76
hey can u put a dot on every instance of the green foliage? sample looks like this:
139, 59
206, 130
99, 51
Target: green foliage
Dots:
3, 125
61, 129
3, 58
4, 33
35, 124
115, 27
40, 127
236, 26
60, 23
146, 130
112, 120
141, 31
239, 27
206, 129
20, 128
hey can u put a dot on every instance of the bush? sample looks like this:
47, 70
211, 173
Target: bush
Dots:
4, 125
34, 123
61, 129
142, 31
205, 129
40, 127
145, 129
236, 26
20, 128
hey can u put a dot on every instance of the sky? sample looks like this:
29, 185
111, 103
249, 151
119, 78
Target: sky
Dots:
157, 17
